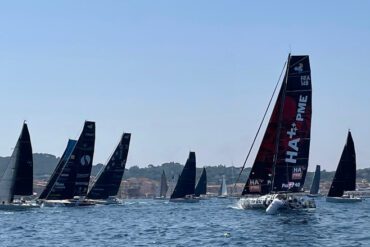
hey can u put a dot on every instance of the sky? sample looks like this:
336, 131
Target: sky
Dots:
180, 75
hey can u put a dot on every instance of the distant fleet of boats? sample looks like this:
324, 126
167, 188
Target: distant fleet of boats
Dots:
275, 182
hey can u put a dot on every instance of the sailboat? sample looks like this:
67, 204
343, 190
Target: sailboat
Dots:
185, 187
105, 189
315, 186
223, 188
280, 167
17, 180
201, 188
345, 175
69, 183
163, 188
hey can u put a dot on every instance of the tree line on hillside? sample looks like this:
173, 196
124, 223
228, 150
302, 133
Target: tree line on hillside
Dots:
44, 165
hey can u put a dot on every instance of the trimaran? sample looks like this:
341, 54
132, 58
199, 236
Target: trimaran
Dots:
280, 167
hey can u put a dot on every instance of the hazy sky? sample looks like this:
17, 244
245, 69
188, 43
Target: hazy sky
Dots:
180, 76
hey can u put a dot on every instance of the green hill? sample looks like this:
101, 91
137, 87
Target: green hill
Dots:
44, 165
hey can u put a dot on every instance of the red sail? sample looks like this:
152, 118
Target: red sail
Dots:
260, 177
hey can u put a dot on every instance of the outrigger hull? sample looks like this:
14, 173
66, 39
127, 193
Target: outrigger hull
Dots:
343, 199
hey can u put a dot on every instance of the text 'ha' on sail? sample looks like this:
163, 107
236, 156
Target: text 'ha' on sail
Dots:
185, 187
18, 176
109, 179
73, 180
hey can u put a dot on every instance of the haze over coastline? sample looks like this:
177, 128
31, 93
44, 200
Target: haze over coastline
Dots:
180, 76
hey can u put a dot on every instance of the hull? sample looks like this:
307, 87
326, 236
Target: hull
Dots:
65, 203
343, 199
286, 201
185, 200
109, 201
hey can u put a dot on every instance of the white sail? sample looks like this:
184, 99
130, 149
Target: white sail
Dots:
224, 187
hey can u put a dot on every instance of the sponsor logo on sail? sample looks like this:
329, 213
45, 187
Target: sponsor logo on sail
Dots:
297, 172
254, 185
299, 68
85, 160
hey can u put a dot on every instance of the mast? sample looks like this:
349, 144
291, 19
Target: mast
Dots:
345, 175
186, 182
277, 139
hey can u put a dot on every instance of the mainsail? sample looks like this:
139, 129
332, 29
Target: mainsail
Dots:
223, 187
75, 175
21, 159
24, 175
201, 188
109, 180
345, 175
282, 159
316, 182
62, 161
186, 182
164, 186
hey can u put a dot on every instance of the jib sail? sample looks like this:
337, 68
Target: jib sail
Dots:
201, 188
316, 182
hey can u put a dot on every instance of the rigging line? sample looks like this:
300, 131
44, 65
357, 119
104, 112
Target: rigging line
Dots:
259, 127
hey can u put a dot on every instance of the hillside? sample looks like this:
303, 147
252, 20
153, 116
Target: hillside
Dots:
44, 165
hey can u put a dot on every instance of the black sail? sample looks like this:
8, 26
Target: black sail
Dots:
345, 175
186, 182
109, 180
293, 144
24, 176
164, 186
316, 182
201, 188
57, 171
75, 176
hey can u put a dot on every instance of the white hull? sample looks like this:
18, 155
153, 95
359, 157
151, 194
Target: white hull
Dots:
343, 199
285, 201
65, 203
109, 201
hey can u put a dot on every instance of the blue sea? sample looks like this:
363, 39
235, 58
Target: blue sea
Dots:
213, 222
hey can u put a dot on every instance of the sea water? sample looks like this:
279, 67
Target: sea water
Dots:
212, 222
